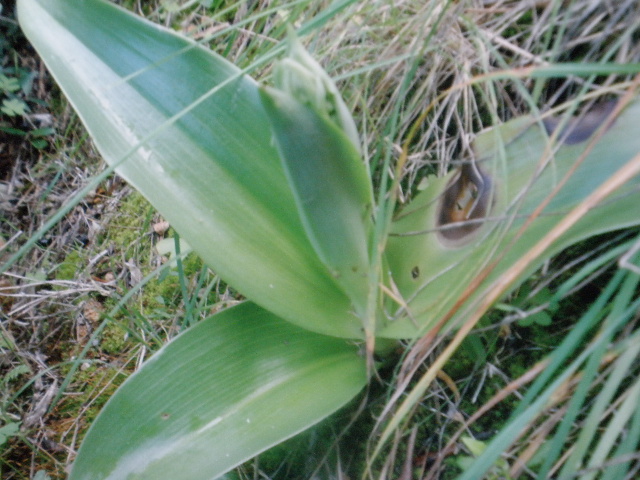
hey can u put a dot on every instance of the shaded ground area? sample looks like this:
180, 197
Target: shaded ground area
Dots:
47, 304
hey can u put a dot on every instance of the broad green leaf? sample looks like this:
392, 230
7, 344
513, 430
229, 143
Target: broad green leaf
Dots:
13, 107
187, 129
220, 393
9, 430
331, 188
516, 167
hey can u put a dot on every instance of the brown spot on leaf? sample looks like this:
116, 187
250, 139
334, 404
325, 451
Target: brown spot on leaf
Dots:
465, 202
580, 128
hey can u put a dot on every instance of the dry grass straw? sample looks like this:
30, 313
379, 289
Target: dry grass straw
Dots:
445, 47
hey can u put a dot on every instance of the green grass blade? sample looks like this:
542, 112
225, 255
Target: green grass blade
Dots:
538, 396
220, 393
619, 310
618, 424
188, 130
627, 446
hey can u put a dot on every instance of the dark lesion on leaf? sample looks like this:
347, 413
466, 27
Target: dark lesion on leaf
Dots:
579, 129
415, 272
466, 201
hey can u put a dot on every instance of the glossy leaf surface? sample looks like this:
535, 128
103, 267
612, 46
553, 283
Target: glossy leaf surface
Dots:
330, 184
220, 393
188, 130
